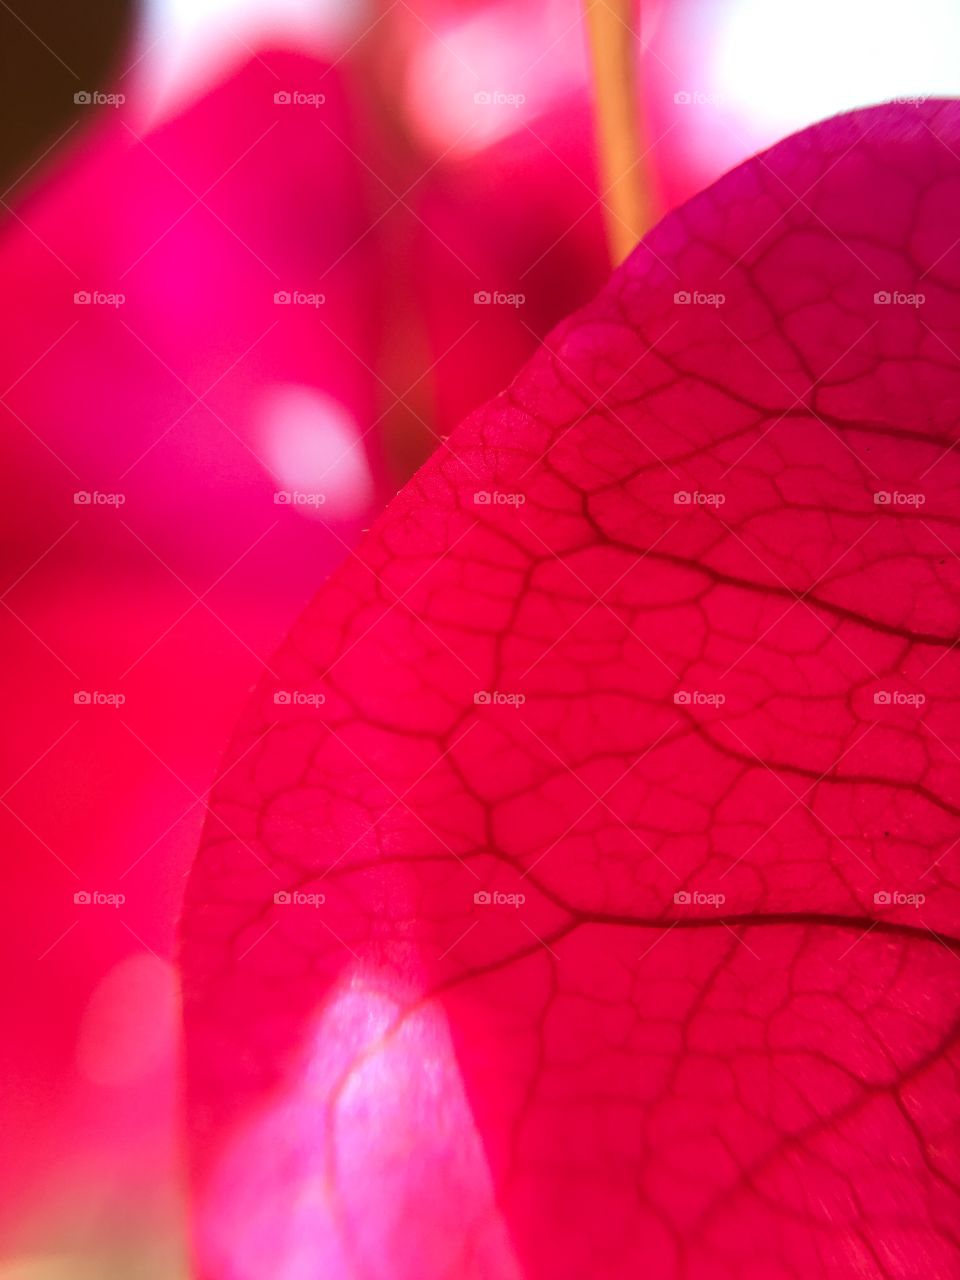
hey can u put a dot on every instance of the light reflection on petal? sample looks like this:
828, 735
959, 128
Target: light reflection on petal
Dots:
370, 1158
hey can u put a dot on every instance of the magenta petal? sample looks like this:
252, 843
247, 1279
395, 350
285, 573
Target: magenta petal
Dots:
610, 793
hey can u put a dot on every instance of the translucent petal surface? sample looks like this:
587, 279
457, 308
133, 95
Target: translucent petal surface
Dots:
582, 901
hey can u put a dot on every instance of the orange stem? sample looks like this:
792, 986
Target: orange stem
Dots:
625, 197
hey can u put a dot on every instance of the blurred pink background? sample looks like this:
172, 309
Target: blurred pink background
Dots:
376, 169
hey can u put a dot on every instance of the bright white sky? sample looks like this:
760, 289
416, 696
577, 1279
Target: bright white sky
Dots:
776, 65
788, 64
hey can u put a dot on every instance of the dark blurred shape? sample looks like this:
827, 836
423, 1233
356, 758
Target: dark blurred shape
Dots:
51, 50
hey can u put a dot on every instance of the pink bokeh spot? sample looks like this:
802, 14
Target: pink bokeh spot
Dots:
316, 452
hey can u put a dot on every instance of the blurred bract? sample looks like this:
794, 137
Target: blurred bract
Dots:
230, 333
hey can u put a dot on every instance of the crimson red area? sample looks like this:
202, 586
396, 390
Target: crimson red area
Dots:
581, 899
